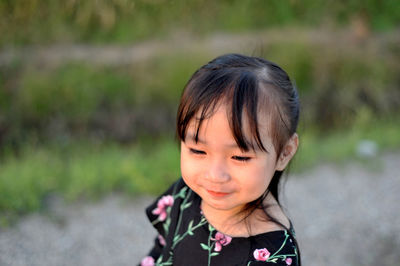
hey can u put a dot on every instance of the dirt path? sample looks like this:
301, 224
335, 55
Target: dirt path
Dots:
183, 43
343, 215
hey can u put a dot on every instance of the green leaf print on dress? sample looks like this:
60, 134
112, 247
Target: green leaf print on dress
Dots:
219, 240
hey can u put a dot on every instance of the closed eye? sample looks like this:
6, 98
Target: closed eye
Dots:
241, 158
194, 151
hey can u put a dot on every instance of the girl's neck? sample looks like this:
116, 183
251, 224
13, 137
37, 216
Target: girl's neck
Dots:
235, 223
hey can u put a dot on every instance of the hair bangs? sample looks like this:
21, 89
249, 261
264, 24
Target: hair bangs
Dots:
245, 102
204, 91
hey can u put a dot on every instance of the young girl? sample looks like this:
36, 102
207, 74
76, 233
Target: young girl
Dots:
236, 123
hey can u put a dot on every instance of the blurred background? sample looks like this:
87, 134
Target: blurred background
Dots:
89, 91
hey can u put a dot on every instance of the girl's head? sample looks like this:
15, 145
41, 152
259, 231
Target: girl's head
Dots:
253, 103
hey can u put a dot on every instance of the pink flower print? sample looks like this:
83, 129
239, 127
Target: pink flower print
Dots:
261, 254
162, 205
147, 261
161, 239
288, 261
221, 240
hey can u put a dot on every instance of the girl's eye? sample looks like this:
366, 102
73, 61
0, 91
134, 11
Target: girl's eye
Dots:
194, 151
241, 158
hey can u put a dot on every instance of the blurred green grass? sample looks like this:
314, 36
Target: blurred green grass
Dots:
83, 170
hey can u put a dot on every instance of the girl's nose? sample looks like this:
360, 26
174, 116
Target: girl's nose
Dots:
218, 172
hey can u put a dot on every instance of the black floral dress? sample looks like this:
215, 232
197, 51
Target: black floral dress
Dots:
186, 238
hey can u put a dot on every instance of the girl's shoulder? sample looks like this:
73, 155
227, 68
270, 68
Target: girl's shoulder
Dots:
273, 248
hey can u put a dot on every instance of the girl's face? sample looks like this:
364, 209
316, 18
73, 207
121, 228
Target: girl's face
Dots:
225, 177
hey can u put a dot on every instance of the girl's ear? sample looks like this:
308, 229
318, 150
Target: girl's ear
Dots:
287, 152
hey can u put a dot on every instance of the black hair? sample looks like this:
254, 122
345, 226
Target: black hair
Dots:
248, 86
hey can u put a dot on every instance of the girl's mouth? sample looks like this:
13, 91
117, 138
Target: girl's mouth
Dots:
217, 194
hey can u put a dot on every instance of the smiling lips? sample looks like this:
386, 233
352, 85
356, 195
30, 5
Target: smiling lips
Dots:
217, 194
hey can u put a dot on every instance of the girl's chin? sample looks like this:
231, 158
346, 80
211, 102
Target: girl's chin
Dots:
221, 205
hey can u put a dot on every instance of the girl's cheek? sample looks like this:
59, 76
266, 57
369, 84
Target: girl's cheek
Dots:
192, 168
188, 165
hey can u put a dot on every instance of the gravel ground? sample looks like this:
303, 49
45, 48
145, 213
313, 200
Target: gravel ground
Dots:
343, 215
